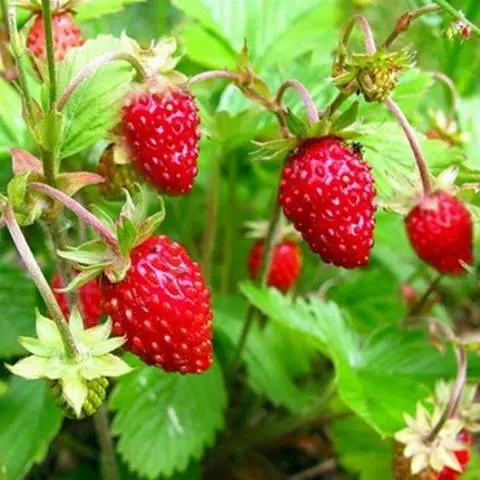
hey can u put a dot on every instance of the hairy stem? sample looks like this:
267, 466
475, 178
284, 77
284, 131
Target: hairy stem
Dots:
49, 40
102, 427
92, 67
452, 90
368, 38
79, 210
457, 14
39, 279
414, 144
404, 22
215, 74
460, 381
417, 308
305, 96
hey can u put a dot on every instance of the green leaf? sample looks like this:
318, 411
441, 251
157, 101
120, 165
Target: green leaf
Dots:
29, 420
380, 377
274, 28
269, 373
97, 8
362, 450
94, 108
16, 318
174, 415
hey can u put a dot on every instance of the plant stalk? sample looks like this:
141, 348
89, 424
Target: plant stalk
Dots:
414, 144
312, 112
102, 427
39, 279
50, 46
92, 67
79, 210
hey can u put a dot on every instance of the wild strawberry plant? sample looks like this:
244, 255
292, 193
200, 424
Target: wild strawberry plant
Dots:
252, 234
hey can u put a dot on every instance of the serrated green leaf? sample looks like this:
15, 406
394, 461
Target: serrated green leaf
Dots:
26, 403
94, 108
168, 413
267, 371
16, 318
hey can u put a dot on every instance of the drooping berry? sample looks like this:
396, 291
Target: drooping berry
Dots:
163, 308
90, 297
118, 177
285, 267
161, 131
463, 456
96, 393
441, 233
66, 35
327, 191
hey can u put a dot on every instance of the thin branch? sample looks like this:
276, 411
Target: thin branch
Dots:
79, 210
106, 443
414, 144
405, 20
50, 45
448, 83
92, 67
215, 74
39, 279
417, 308
304, 94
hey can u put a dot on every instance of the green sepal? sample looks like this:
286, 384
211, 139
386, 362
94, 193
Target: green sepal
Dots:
90, 253
273, 149
17, 189
151, 224
116, 270
347, 118
85, 276
23, 162
126, 235
297, 126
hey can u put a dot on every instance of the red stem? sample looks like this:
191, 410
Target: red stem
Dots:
312, 112
79, 210
414, 144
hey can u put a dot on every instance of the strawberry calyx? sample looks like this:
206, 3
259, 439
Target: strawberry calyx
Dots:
447, 130
112, 258
430, 454
375, 76
72, 376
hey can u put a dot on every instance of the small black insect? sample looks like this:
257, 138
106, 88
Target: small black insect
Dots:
358, 148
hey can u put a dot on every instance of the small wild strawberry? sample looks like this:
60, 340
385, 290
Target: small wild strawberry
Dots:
160, 128
163, 307
285, 267
328, 192
66, 35
441, 232
90, 298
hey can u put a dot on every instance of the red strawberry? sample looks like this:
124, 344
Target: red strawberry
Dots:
161, 132
163, 308
285, 267
463, 457
441, 233
66, 35
90, 298
328, 193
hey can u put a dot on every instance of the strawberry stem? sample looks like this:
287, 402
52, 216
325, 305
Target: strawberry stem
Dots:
405, 20
215, 74
39, 279
458, 15
92, 67
448, 83
79, 210
47, 25
312, 112
460, 381
100, 419
414, 144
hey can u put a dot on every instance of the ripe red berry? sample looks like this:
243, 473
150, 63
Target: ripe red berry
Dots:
441, 233
463, 456
328, 192
66, 35
161, 132
90, 298
163, 308
285, 267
